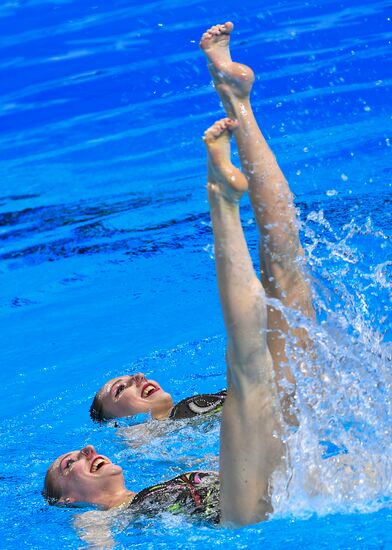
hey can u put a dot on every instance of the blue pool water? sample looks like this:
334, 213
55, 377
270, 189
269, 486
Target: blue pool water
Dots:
107, 264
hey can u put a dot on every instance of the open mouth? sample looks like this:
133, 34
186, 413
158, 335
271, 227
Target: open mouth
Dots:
148, 389
98, 463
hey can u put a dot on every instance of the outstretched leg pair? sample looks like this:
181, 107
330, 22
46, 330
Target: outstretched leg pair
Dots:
251, 443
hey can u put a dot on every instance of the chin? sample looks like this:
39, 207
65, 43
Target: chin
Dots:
117, 469
165, 401
112, 470
162, 397
169, 399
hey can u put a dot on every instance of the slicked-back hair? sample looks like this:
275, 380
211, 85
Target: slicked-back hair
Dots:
51, 491
96, 410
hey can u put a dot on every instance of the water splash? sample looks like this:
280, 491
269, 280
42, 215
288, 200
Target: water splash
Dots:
340, 456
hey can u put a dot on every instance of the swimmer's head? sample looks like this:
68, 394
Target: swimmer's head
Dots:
129, 395
83, 476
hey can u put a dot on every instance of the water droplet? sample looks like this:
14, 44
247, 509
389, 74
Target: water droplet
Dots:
210, 249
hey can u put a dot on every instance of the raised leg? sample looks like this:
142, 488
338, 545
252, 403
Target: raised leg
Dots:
251, 446
281, 254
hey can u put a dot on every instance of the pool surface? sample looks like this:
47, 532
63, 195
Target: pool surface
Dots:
107, 259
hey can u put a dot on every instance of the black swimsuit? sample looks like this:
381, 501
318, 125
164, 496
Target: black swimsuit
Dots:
195, 494
206, 403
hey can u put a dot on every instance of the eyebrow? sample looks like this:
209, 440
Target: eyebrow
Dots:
62, 460
115, 382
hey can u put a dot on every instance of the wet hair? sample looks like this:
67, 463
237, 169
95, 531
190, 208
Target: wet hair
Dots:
96, 409
52, 490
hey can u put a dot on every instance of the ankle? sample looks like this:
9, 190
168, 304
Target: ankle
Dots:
223, 198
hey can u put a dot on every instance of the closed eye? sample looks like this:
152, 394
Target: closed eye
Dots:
66, 463
69, 463
120, 388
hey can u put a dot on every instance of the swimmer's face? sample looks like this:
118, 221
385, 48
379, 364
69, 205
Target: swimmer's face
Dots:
84, 476
133, 394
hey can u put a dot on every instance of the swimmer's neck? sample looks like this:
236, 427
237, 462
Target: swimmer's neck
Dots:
162, 414
122, 498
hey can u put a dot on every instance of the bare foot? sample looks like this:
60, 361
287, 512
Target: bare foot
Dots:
230, 78
223, 177
215, 43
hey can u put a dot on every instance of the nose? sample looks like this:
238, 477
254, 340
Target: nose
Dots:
88, 451
138, 379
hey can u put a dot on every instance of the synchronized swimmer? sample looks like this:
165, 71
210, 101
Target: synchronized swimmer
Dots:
258, 400
133, 394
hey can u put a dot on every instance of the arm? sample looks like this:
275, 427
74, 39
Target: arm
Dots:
94, 528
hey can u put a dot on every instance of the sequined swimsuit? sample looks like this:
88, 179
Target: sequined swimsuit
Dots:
195, 494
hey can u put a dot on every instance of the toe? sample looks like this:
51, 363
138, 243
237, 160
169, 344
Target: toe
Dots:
232, 123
